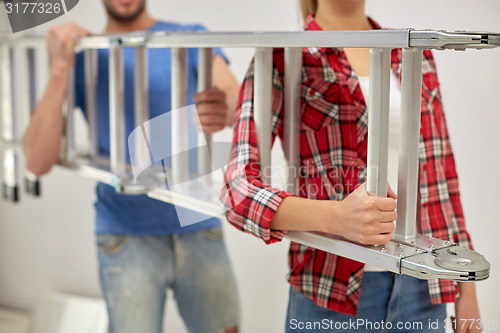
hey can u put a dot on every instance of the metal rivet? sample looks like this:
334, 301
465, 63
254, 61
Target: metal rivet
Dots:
383, 249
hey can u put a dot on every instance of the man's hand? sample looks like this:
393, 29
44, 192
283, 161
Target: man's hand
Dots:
212, 110
60, 43
365, 218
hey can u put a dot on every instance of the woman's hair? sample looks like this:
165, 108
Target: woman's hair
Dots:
308, 7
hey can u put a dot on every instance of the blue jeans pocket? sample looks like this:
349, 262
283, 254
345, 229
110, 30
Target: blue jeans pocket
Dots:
111, 243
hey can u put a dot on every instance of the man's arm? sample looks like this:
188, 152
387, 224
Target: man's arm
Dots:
42, 139
216, 107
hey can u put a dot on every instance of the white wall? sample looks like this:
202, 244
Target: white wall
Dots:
48, 243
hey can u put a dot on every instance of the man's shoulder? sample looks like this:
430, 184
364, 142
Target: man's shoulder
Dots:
176, 26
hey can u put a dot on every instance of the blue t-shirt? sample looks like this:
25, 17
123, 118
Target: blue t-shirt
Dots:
139, 214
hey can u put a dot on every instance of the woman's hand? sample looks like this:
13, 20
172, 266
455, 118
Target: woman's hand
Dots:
366, 219
467, 318
360, 217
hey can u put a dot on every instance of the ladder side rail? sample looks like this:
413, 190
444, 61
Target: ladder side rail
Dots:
403, 38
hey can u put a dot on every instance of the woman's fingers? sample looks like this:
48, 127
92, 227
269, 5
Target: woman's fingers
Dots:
390, 192
386, 204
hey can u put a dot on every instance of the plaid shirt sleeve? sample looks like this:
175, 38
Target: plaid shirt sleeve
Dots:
251, 204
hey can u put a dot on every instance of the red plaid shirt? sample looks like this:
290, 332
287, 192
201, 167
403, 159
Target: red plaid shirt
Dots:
333, 160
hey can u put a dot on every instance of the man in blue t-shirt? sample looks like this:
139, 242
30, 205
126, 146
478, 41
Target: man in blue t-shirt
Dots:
142, 249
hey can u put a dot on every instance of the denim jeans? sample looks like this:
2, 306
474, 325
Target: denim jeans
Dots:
135, 273
388, 303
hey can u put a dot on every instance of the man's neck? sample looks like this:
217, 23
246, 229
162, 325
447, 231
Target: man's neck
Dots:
335, 15
141, 23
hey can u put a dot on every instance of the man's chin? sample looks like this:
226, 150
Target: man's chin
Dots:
126, 15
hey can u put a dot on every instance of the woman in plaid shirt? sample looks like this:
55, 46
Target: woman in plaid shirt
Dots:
327, 290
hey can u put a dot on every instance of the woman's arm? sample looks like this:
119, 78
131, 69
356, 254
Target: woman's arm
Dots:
360, 217
268, 212
468, 319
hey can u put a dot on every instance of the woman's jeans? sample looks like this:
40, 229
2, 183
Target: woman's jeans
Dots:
388, 303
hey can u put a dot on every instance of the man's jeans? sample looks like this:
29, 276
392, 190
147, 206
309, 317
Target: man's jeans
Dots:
135, 273
388, 303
